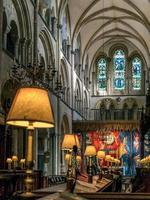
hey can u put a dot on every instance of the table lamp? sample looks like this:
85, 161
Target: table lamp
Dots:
14, 160
9, 162
22, 163
69, 141
90, 152
107, 158
31, 108
100, 156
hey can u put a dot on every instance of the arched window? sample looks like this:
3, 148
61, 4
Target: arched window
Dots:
119, 69
136, 73
102, 74
12, 38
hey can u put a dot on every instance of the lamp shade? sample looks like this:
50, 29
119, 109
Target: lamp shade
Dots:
69, 141
31, 105
108, 157
101, 154
90, 150
9, 160
14, 158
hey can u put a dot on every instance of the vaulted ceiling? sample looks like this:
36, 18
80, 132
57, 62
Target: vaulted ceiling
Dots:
104, 22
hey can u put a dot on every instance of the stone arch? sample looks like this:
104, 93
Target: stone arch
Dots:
66, 33
12, 39
9, 88
129, 103
23, 18
48, 47
18, 12
65, 128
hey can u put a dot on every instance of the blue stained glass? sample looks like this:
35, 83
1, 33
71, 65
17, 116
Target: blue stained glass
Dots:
136, 73
119, 69
101, 74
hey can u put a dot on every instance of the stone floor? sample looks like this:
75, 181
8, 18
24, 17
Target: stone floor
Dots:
56, 189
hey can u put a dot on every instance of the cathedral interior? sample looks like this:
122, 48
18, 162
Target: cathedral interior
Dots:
74, 99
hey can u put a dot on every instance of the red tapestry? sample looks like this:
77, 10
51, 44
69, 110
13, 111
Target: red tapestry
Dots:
104, 140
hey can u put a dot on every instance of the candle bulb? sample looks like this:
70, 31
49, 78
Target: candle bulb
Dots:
9, 161
14, 159
22, 163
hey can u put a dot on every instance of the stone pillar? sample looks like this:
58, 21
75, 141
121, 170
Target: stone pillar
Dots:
45, 150
5, 37
15, 142
22, 60
29, 51
17, 49
35, 148
57, 151
1, 42
35, 55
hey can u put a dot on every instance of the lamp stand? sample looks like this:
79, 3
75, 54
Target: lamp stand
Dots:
70, 175
90, 175
29, 171
100, 172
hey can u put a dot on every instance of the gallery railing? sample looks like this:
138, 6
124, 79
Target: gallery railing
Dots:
115, 114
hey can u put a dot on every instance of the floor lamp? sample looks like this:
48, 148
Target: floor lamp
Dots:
100, 156
31, 108
90, 152
69, 141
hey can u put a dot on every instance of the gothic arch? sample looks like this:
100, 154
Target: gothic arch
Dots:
23, 18
48, 47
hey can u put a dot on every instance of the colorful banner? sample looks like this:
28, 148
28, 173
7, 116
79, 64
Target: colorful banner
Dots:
123, 144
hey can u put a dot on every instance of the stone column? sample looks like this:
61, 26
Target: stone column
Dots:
1, 42
15, 142
5, 37
35, 55
22, 60
29, 51
35, 148
57, 150
45, 150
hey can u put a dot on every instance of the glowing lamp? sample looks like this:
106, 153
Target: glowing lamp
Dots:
90, 151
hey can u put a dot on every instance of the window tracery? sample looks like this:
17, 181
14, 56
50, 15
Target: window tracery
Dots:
120, 76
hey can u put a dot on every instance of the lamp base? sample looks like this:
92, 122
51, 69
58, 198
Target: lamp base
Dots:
28, 195
70, 185
70, 180
90, 179
29, 181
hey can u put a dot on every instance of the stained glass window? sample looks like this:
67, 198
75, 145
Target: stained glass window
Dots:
119, 69
136, 73
101, 75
